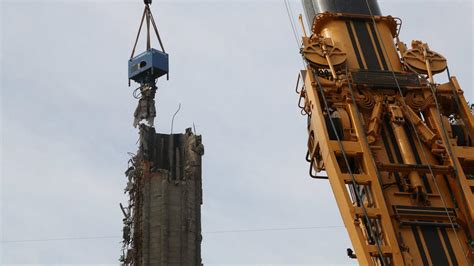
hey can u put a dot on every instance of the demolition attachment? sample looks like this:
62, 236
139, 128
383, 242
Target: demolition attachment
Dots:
145, 69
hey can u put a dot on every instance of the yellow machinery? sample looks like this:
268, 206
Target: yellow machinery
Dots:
396, 145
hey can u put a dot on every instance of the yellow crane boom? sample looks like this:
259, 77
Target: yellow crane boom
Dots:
396, 145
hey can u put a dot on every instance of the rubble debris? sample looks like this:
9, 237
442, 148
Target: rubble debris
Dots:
146, 105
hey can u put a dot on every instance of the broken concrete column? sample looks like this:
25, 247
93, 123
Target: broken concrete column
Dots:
166, 200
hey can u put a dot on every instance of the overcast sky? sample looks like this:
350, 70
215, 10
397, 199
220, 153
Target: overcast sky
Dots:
66, 124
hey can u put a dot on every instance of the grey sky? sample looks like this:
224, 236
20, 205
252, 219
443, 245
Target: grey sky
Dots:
66, 116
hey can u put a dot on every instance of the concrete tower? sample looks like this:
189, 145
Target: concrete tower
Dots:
162, 224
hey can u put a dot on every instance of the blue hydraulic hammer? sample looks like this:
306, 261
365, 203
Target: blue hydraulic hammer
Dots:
145, 69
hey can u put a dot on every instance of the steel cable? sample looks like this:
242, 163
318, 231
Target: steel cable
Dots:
293, 27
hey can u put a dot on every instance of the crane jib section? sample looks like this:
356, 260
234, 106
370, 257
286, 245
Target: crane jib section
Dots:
397, 146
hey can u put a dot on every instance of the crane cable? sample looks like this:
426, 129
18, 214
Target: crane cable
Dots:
293, 27
448, 147
149, 18
291, 18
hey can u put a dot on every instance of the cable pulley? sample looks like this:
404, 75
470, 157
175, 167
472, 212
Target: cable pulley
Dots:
423, 60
